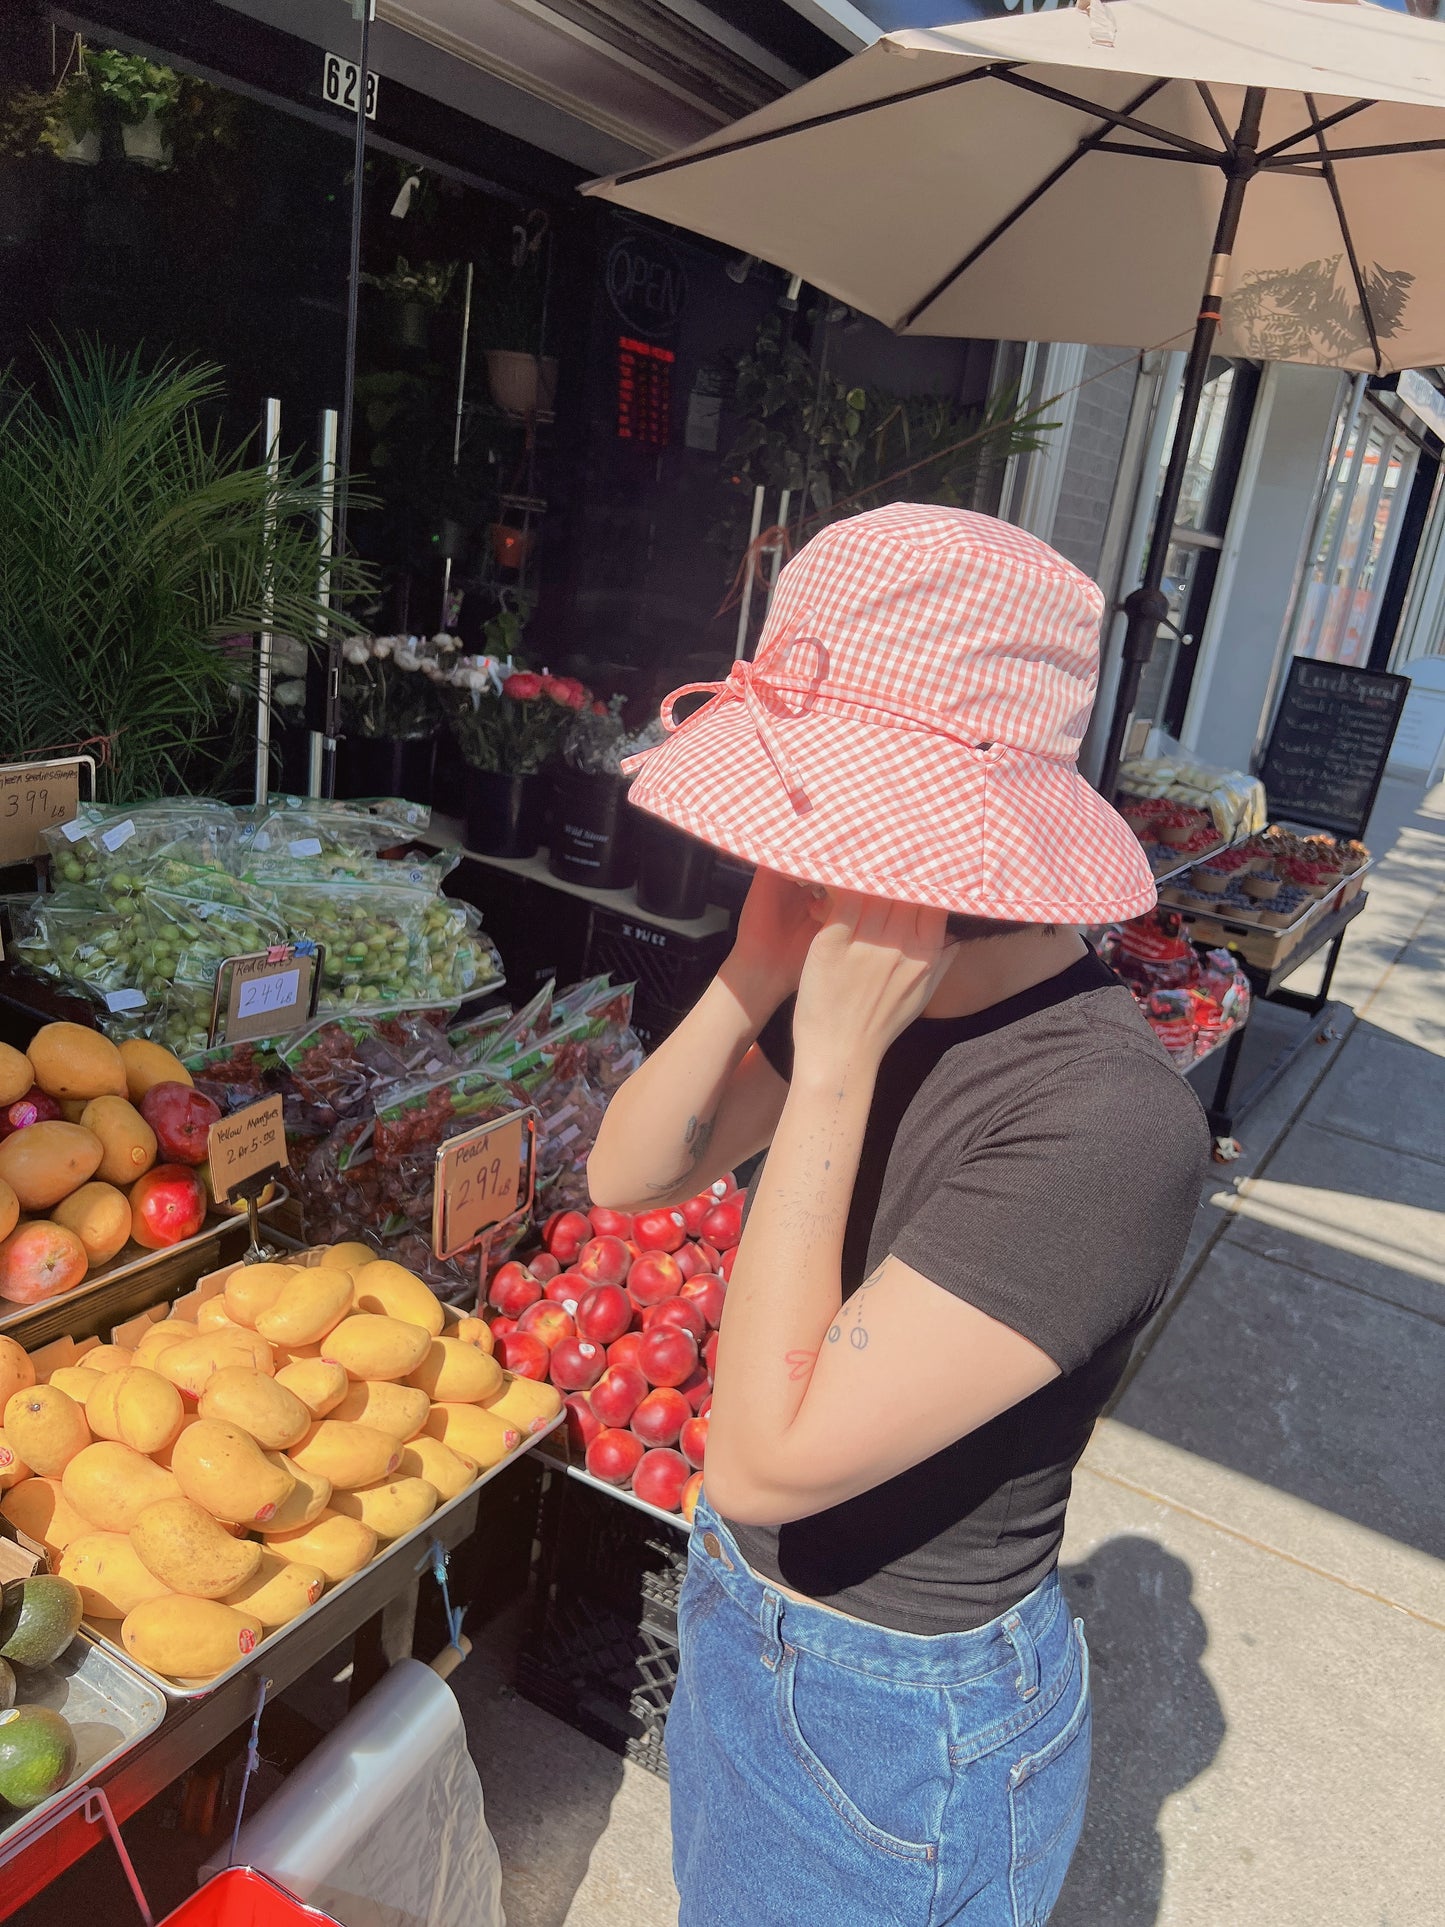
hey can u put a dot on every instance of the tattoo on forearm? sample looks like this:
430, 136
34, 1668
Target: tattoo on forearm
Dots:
696, 1138
851, 1317
799, 1364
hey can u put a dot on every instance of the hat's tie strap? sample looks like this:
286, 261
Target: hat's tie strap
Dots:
746, 684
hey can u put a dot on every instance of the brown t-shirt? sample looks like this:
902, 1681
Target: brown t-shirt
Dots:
1043, 1160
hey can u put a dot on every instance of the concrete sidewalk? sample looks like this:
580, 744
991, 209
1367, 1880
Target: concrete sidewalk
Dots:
1257, 1537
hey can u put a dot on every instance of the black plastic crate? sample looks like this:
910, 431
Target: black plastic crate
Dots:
671, 971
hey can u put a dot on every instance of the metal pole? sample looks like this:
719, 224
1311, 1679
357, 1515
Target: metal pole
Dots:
348, 389
326, 544
457, 431
266, 640
1147, 606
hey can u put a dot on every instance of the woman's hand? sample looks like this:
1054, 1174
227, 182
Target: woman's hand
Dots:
774, 931
871, 970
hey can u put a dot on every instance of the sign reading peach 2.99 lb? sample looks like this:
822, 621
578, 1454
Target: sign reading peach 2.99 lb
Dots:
248, 1144
480, 1180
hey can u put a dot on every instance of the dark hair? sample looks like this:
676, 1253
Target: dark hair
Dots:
964, 929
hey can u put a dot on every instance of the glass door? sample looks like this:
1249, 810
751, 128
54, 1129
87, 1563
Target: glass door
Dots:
1351, 565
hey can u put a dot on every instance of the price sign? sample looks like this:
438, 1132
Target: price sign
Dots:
246, 1146
480, 1181
267, 993
34, 797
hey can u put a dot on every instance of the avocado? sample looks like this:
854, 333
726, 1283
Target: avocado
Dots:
37, 1754
7, 1685
38, 1618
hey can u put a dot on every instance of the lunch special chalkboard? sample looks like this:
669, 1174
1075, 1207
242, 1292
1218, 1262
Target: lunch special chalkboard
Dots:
1330, 742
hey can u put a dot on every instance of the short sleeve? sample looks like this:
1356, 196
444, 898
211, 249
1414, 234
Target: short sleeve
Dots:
1066, 1220
775, 1040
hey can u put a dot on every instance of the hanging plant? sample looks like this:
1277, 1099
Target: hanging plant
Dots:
429, 285
144, 97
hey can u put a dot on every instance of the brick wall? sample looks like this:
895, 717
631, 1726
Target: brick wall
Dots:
1101, 416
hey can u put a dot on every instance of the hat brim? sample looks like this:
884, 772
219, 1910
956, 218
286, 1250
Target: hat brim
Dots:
903, 814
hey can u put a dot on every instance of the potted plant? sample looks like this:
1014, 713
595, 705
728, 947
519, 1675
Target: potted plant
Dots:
418, 292
144, 96
592, 829
508, 727
70, 126
522, 381
391, 710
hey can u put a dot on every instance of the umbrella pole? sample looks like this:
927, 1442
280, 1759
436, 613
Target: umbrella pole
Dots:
1148, 606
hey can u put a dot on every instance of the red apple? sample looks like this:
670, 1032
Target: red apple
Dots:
692, 1441
501, 1326
661, 1416
624, 1350
617, 1394
615, 1455
660, 1478
549, 1322
676, 1311
607, 1223
512, 1289
691, 1493
667, 1356
723, 1225
690, 1260
725, 1265
543, 1266
583, 1424
661, 1230
603, 1314
34, 1108
653, 1277
181, 1119
706, 1292
39, 1259
167, 1204
709, 1354
705, 1409
723, 1187
564, 1235
525, 1356
577, 1364
697, 1390
604, 1261
566, 1290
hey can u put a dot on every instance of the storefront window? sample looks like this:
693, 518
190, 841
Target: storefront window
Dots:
1372, 471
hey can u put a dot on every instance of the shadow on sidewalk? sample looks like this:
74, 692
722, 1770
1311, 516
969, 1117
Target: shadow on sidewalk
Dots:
1157, 1725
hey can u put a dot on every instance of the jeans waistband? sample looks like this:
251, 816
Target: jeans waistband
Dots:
937, 1659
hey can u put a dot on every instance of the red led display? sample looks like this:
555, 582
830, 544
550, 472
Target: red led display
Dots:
644, 392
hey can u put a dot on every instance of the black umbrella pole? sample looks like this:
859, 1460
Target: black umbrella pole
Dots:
1146, 607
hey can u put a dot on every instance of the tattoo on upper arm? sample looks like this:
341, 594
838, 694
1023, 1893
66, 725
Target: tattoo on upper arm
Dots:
799, 1364
851, 1318
696, 1138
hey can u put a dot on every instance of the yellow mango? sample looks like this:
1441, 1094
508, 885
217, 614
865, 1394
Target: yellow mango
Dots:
192, 1639
182, 1544
318, 1384
337, 1545
395, 1292
46, 1427
98, 1214
74, 1381
440, 1465
109, 1358
252, 1289
525, 1403
17, 1373
474, 1331
128, 1142
191, 1366
72, 1060
455, 1373
372, 1346
391, 1507
147, 1064
163, 1334
309, 1304
223, 1469
111, 1485
40, 1509
294, 1354
279, 1590
346, 1257
308, 1498
213, 1314
164, 1456
274, 1417
349, 1455
46, 1162
13, 1468
399, 1410
138, 1407
109, 1572
16, 1074
474, 1430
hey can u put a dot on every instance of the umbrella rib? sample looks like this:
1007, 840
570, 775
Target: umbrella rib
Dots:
1333, 184
1087, 145
1225, 132
744, 142
1117, 117
1331, 120
1157, 154
1386, 151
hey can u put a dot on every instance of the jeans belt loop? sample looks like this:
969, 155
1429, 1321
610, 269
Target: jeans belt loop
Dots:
772, 1617
1025, 1652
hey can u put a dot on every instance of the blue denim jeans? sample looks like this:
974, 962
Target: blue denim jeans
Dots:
828, 1771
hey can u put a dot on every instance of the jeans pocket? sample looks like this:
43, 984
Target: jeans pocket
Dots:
1047, 1792
829, 1702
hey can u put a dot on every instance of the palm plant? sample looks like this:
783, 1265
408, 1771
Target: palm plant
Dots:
138, 556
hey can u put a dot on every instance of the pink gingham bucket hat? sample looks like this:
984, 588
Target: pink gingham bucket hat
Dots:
910, 728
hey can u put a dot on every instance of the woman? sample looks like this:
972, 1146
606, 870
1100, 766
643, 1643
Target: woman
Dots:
981, 1174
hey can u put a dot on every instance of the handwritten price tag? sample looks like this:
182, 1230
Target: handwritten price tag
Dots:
248, 1144
478, 1183
269, 993
33, 797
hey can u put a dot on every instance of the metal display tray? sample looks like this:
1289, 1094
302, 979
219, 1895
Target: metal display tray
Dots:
410, 1545
580, 1473
110, 1708
122, 1270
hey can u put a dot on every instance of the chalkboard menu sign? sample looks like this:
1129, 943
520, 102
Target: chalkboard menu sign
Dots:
1329, 745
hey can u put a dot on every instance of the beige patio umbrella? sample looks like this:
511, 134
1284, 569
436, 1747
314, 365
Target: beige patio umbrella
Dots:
1261, 177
